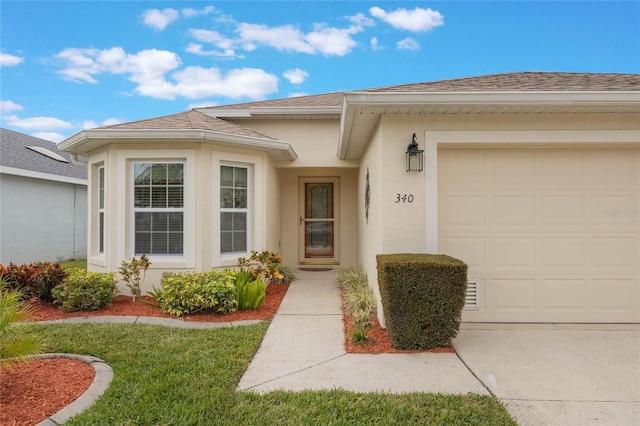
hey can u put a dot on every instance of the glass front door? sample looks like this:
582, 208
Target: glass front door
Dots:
318, 220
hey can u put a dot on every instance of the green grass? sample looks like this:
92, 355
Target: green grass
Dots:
75, 264
167, 376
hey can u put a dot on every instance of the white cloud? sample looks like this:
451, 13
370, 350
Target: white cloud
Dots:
323, 40
38, 123
416, 20
7, 60
189, 12
203, 105
224, 44
296, 76
90, 124
297, 94
159, 19
362, 20
408, 44
49, 136
197, 82
197, 49
146, 68
8, 106
375, 44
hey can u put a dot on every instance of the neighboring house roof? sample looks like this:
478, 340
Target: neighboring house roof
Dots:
22, 155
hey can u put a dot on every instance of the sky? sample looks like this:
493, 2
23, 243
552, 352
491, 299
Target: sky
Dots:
66, 66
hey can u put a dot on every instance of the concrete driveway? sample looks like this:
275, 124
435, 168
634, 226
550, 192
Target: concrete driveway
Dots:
559, 374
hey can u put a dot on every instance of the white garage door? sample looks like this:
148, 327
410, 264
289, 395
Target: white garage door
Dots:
550, 235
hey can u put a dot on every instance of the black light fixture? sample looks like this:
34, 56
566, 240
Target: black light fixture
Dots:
415, 156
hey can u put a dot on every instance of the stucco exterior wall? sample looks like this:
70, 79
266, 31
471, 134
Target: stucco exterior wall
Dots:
41, 220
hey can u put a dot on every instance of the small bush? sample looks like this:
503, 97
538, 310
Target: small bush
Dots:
288, 274
133, 273
249, 294
191, 292
85, 291
351, 276
359, 336
422, 297
16, 340
35, 279
265, 265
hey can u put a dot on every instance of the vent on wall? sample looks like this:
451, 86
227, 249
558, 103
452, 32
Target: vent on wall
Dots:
471, 297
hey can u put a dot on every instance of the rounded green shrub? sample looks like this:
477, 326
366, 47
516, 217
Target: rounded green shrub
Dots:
85, 291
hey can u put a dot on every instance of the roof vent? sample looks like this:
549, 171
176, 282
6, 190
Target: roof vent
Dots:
48, 153
471, 301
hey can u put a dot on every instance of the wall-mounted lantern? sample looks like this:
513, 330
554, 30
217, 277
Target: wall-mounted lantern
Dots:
415, 156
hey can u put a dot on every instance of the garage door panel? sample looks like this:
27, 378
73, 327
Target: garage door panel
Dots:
550, 235
513, 253
513, 294
615, 170
472, 249
560, 169
508, 170
513, 211
563, 210
615, 294
566, 252
464, 210
610, 210
615, 252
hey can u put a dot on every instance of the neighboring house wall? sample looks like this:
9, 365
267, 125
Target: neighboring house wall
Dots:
41, 220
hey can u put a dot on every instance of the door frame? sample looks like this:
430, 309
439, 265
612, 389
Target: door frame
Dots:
302, 180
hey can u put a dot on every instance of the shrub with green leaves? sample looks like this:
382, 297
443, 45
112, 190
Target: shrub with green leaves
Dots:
422, 297
85, 291
249, 293
133, 273
357, 296
190, 292
17, 342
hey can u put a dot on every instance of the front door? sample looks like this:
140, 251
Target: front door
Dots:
318, 224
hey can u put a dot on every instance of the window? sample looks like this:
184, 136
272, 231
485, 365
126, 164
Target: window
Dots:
159, 208
233, 209
101, 209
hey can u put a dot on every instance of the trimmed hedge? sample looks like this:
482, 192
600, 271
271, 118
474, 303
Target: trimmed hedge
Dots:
85, 291
422, 298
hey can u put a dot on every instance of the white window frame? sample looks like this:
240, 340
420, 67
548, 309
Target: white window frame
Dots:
102, 199
125, 241
246, 210
94, 255
158, 209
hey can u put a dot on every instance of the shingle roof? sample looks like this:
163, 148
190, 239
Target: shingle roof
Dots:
14, 153
525, 81
508, 82
189, 120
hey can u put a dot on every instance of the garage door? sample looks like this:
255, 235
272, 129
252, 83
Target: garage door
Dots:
550, 235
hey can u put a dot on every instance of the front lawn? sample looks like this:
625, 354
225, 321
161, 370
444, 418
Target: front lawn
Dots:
168, 376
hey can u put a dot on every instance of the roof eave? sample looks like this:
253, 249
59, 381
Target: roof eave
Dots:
88, 140
253, 112
358, 99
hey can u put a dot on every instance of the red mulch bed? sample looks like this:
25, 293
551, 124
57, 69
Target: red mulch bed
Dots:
32, 391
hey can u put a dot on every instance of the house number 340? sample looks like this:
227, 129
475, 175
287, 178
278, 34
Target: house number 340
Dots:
404, 198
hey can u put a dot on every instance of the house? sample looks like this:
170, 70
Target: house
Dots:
531, 178
43, 201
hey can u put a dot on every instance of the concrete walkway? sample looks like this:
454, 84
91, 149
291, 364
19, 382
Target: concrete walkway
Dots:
545, 374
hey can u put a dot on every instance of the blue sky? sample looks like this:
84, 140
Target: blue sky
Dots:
67, 66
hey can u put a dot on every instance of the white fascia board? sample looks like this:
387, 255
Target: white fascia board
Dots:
39, 175
493, 98
271, 111
277, 149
